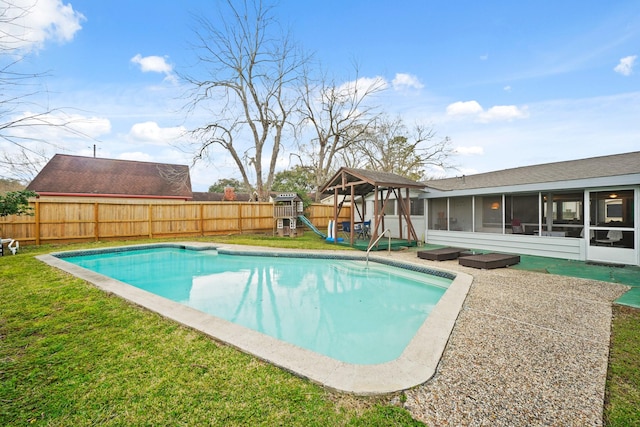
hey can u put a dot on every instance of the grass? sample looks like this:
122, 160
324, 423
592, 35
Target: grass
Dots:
622, 406
307, 241
73, 355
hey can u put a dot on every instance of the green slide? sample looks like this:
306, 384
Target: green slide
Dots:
311, 226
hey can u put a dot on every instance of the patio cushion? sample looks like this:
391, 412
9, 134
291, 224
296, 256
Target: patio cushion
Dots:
489, 261
442, 254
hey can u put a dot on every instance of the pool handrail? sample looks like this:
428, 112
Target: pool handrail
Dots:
377, 240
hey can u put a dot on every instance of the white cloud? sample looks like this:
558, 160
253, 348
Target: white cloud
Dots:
464, 108
496, 113
137, 156
469, 151
92, 127
57, 127
403, 81
503, 113
363, 85
626, 64
26, 24
151, 133
153, 64
484, 57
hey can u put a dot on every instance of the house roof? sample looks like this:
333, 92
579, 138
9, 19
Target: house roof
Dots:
205, 196
90, 176
594, 167
364, 181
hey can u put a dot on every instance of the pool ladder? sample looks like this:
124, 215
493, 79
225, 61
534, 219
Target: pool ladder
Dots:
376, 242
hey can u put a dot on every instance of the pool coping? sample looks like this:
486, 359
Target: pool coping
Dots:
416, 365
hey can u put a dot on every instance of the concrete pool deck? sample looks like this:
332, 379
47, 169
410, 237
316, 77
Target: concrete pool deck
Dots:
417, 363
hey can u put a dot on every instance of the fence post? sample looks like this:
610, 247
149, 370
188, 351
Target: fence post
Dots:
37, 224
201, 219
240, 219
96, 222
150, 213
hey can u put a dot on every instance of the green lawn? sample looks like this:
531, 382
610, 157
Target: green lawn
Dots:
73, 355
622, 407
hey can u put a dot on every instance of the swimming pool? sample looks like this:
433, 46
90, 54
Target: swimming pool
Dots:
320, 316
335, 307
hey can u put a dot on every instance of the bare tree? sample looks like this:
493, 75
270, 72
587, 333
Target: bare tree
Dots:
389, 146
21, 111
251, 70
339, 116
23, 164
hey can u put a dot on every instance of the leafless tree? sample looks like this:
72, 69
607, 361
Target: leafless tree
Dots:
339, 115
388, 146
23, 165
247, 73
178, 177
22, 112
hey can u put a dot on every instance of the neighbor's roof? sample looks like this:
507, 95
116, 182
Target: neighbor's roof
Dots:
595, 167
364, 181
205, 196
90, 176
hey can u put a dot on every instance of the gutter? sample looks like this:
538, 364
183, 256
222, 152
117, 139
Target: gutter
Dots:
106, 195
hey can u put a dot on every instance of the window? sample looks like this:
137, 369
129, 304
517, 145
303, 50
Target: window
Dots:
612, 208
438, 214
523, 209
489, 214
563, 214
389, 207
567, 207
417, 207
612, 218
461, 214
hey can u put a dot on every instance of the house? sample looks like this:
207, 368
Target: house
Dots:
583, 210
76, 176
206, 196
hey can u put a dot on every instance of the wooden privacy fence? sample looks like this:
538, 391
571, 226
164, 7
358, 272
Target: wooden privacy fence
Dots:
65, 221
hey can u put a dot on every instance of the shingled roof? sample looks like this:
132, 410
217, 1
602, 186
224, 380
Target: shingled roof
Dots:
205, 196
67, 175
594, 167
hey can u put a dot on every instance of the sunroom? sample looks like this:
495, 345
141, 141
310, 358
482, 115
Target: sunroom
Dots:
583, 210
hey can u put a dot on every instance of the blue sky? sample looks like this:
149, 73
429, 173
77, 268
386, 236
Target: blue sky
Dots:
511, 83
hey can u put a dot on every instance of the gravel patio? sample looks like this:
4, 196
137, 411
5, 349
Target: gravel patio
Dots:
528, 349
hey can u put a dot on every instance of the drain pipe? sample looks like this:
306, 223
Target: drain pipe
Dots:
377, 240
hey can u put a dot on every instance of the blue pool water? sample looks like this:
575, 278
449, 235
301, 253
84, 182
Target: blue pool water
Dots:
334, 307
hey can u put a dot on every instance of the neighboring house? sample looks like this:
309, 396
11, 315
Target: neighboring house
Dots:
76, 176
584, 210
206, 196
